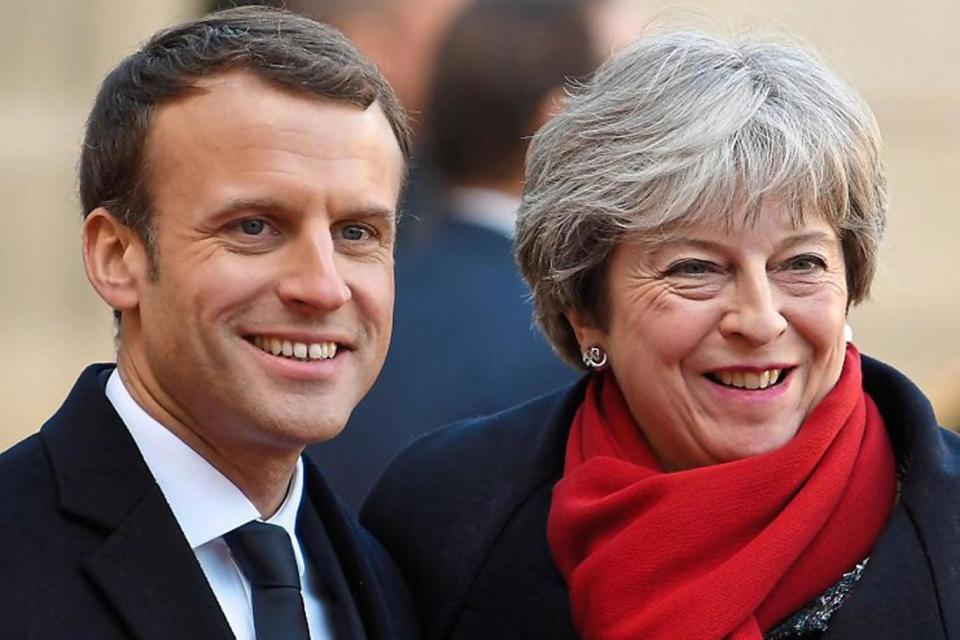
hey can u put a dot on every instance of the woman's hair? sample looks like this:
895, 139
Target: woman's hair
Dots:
681, 128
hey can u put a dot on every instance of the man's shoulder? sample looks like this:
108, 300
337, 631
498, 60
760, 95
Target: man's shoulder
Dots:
23, 455
25, 478
30, 452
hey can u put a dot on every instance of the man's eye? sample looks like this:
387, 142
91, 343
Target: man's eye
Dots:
355, 232
253, 226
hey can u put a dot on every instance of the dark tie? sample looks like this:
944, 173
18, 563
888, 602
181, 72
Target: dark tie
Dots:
265, 556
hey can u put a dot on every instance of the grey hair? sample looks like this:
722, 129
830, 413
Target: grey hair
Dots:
681, 128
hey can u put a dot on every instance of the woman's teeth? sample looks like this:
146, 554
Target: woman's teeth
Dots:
747, 379
296, 350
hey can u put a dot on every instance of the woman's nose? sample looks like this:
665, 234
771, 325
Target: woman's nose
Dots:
754, 314
311, 277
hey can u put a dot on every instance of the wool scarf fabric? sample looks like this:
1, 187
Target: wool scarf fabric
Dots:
725, 551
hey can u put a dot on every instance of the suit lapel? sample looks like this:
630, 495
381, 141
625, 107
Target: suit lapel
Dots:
362, 607
150, 576
323, 558
144, 567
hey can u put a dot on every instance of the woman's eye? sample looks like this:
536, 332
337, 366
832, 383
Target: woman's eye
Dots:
253, 226
692, 268
806, 263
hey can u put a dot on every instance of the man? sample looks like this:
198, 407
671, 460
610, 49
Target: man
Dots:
239, 180
465, 344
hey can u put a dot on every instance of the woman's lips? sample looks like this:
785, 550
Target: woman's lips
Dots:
749, 378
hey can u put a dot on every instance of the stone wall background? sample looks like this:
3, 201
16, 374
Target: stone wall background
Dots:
904, 61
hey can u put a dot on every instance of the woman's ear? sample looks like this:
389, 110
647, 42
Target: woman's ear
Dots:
115, 260
588, 334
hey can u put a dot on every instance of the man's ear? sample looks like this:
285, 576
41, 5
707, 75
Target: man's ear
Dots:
588, 334
115, 260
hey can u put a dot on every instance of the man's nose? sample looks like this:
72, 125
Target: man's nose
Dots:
312, 278
754, 314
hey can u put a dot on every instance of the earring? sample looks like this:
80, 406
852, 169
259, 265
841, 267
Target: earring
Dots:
594, 358
847, 332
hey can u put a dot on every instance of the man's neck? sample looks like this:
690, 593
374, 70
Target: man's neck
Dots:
262, 473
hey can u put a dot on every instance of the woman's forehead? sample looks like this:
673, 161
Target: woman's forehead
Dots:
774, 220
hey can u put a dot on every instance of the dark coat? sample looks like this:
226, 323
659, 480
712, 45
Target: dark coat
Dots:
464, 513
90, 548
463, 346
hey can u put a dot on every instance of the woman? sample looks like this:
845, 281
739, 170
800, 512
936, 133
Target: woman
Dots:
695, 226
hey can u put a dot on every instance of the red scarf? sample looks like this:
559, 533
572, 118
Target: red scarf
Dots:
724, 551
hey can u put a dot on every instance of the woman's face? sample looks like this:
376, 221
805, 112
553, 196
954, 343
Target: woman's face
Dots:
724, 339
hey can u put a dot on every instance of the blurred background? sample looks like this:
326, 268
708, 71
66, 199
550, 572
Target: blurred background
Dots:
903, 60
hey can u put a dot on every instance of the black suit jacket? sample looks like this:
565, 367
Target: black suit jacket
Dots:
90, 548
463, 345
464, 513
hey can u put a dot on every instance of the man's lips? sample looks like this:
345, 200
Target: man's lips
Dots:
298, 346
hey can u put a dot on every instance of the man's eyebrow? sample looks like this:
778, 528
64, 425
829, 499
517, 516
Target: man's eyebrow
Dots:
268, 205
247, 203
368, 211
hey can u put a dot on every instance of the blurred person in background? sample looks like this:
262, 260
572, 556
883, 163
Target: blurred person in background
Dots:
464, 343
695, 226
239, 180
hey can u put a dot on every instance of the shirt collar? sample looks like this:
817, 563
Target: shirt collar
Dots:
205, 503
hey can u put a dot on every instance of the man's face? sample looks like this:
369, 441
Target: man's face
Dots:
270, 315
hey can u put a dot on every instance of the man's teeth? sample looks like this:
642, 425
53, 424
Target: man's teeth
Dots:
297, 350
749, 380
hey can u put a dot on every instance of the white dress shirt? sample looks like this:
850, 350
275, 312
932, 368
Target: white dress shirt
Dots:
207, 505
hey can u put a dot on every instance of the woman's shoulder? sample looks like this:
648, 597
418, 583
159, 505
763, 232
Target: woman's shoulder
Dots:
917, 437
443, 503
505, 446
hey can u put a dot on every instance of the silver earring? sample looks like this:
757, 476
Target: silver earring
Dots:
594, 358
847, 332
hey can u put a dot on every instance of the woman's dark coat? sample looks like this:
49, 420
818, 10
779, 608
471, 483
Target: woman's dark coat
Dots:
464, 513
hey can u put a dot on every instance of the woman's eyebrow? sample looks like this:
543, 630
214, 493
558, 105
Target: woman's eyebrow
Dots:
679, 242
819, 237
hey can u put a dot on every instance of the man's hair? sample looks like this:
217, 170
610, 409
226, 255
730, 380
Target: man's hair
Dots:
498, 62
285, 49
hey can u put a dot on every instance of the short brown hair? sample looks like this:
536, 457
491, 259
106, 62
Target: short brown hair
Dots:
283, 48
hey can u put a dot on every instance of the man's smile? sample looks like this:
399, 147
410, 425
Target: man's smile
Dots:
295, 350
